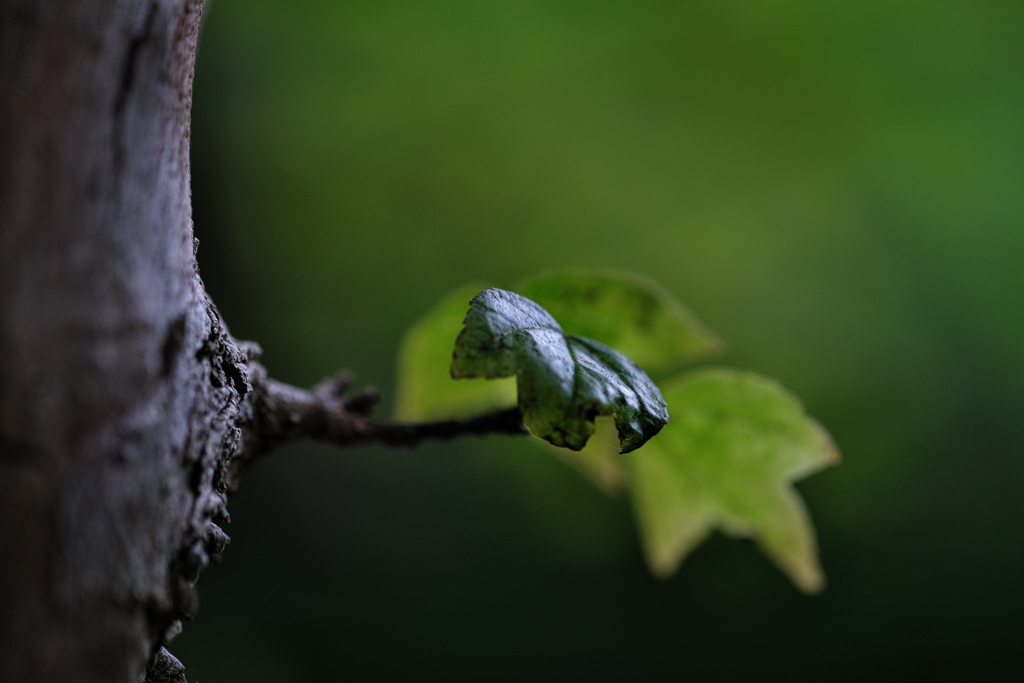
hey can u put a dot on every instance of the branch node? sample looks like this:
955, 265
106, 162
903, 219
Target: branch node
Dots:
334, 387
364, 402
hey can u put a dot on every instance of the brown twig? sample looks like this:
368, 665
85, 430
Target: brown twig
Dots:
324, 413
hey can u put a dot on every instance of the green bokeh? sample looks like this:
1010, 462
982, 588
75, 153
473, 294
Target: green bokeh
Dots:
834, 188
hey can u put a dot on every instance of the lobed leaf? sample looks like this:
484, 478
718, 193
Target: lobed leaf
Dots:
425, 388
629, 312
736, 442
634, 315
599, 461
563, 381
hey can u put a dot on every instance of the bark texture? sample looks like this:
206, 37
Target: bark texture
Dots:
121, 393
126, 408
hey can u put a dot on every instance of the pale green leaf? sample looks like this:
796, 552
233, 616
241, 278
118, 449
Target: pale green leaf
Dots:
736, 442
563, 381
425, 388
599, 461
629, 312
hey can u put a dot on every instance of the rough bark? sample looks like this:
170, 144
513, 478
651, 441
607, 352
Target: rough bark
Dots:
126, 408
120, 390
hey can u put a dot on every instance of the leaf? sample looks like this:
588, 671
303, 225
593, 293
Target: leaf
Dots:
634, 315
563, 381
600, 460
736, 442
629, 312
425, 388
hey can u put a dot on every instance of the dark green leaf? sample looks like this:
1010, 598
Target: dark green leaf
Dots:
563, 381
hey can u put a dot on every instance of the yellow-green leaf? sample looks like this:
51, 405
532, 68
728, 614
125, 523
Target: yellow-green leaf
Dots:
600, 460
629, 312
425, 389
727, 459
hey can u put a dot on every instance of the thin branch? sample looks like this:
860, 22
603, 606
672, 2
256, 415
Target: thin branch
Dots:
324, 413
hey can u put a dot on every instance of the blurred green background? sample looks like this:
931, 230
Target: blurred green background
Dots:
836, 188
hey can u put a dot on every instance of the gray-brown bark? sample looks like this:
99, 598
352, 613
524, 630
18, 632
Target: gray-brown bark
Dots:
120, 391
126, 409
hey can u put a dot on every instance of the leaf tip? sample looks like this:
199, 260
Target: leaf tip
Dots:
662, 569
833, 456
810, 579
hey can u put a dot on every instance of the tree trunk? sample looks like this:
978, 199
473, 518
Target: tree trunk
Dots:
121, 394
126, 408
